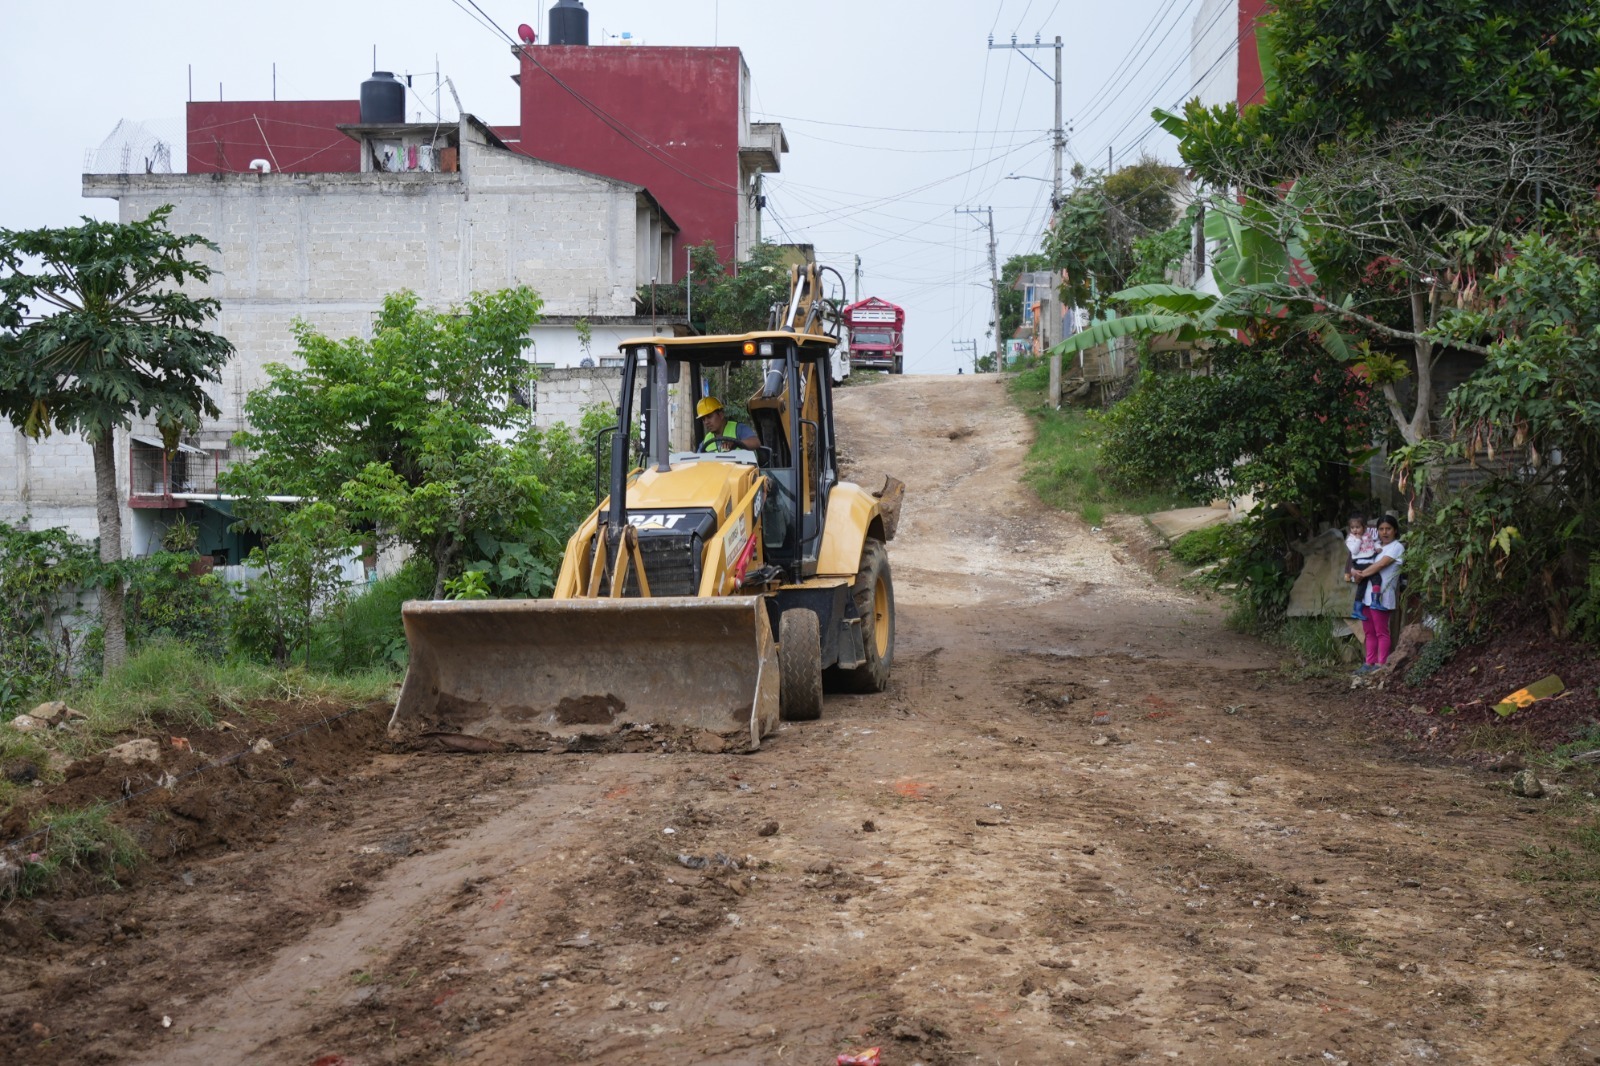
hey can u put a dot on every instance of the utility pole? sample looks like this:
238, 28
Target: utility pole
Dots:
968, 348
994, 283
858, 281
1058, 135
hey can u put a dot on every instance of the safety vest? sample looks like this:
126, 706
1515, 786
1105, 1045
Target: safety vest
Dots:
730, 431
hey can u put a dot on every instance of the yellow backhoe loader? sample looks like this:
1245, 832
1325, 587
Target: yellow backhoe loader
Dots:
718, 586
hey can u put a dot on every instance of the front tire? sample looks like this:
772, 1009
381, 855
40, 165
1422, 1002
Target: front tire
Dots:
874, 595
799, 666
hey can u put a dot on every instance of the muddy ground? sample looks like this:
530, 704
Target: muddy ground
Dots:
1087, 823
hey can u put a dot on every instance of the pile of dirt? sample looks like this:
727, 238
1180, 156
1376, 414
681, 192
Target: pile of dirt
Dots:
1453, 711
207, 790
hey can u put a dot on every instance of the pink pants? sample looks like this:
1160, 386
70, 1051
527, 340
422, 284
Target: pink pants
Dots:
1375, 623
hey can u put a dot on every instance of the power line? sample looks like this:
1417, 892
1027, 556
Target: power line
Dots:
1144, 108
888, 129
1128, 59
905, 151
1090, 116
627, 133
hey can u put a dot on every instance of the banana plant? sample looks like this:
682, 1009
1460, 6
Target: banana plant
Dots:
1255, 267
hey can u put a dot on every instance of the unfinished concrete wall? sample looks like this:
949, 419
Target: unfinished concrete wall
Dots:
326, 249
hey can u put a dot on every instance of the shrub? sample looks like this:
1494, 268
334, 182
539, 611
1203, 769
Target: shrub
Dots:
166, 601
363, 631
41, 573
169, 685
1199, 547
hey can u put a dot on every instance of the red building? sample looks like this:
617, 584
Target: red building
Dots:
675, 120
293, 136
1251, 83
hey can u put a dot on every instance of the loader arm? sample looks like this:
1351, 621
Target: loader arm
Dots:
672, 590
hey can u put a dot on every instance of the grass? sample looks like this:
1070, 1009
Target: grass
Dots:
366, 628
1311, 640
1500, 739
174, 685
171, 687
1063, 465
1587, 741
1199, 547
1565, 872
80, 844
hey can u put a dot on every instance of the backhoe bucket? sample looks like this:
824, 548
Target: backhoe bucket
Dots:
520, 674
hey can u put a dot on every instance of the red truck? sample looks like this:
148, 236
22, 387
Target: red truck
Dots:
877, 335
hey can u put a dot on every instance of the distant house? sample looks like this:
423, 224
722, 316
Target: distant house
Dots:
1046, 322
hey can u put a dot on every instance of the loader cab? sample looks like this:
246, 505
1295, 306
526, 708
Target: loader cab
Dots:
779, 384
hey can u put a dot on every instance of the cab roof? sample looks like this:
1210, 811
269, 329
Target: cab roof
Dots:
727, 345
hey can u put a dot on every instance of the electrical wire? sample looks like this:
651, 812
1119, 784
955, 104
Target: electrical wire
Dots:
885, 129
1143, 109
905, 151
1175, 71
1127, 60
627, 133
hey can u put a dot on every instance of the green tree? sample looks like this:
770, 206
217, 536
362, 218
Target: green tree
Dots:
300, 565
97, 331
1531, 416
738, 300
404, 428
1093, 234
1338, 71
1278, 419
41, 571
1408, 143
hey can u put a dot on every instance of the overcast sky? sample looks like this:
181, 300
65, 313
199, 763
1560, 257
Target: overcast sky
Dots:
896, 112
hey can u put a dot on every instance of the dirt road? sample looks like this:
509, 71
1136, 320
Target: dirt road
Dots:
1085, 824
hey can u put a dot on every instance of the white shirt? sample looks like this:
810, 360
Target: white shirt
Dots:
1382, 585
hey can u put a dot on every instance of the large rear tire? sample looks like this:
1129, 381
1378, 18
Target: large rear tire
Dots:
799, 666
874, 594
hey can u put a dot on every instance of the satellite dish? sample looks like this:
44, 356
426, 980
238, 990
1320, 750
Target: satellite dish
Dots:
525, 31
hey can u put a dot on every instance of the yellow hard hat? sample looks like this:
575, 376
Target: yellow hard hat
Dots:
706, 405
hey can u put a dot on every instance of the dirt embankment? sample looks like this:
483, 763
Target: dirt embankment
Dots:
1086, 823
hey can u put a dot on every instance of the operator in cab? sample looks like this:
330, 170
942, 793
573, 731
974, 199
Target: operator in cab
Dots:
720, 433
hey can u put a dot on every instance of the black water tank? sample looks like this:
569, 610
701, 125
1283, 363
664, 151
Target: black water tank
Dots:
383, 98
569, 23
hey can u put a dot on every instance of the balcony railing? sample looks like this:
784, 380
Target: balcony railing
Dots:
159, 479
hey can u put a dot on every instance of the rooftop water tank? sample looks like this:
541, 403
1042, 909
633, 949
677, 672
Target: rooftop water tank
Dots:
383, 98
569, 23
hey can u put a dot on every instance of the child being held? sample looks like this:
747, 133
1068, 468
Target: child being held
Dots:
1361, 539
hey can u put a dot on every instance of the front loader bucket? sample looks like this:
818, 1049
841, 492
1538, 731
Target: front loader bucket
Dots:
521, 673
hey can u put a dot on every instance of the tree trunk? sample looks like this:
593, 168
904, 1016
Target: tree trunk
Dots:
108, 510
443, 553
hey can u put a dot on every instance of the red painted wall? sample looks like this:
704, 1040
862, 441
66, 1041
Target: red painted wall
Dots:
297, 136
682, 101
1251, 84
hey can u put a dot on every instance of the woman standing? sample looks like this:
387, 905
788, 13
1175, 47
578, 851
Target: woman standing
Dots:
1382, 595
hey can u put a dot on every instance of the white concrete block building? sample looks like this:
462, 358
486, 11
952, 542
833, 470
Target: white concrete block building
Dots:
326, 248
